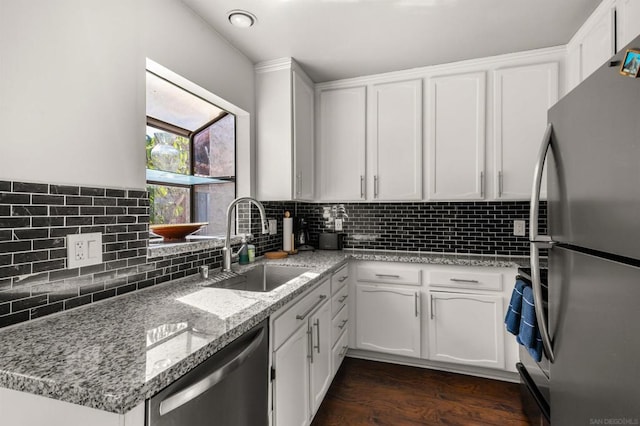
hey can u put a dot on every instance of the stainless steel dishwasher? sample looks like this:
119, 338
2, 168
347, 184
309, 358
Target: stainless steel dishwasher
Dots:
228, 389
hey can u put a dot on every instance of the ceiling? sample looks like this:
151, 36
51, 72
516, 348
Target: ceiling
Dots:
336, 39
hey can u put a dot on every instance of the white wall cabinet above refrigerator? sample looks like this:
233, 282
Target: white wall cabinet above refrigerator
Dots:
341, 147
522, 96
285, 132
627, 22
456, 137
593, 44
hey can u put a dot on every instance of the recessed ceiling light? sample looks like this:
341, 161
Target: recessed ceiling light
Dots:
241, 18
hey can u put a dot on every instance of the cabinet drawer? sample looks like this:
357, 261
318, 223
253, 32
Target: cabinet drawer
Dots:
462, 279
340, 324
388, 274
339, 300
340, 350
339, 279
292, 318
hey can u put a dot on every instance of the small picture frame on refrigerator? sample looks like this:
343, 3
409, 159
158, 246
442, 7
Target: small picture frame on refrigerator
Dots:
631, 63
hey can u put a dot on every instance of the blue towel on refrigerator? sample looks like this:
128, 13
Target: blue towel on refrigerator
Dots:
512, 319
529, 334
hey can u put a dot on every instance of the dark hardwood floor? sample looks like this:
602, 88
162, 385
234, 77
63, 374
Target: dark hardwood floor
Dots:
374, 393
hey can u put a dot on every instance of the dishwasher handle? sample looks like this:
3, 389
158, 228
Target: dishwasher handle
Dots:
193, 391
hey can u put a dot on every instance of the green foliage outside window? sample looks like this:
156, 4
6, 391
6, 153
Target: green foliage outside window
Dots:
169, 204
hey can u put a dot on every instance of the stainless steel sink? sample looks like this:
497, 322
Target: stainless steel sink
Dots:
262, 278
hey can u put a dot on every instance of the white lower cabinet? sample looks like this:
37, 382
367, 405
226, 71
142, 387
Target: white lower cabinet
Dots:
291, 384
310, 340
320, 355
388, 319
302, 357
466, 328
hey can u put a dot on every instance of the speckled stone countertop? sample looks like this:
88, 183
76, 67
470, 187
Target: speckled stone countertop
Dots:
114, 354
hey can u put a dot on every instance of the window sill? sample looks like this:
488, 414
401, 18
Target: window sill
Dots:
159, 248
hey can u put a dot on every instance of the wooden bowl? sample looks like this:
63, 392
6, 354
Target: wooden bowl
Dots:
176, 231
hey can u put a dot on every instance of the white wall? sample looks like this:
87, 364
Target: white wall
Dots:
71, 92
72, 86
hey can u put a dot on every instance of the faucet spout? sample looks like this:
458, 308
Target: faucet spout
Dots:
226, 251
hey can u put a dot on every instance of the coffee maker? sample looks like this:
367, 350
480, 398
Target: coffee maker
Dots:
301, 232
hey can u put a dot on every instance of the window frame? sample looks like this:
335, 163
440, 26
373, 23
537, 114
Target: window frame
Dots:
190, 135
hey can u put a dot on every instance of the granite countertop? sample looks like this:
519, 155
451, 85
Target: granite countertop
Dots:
114, 354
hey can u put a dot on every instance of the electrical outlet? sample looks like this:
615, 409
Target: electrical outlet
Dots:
273, 227
84, 249
519, 228
80, 250
338, 224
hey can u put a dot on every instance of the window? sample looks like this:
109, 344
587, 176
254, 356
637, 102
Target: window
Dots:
191, 167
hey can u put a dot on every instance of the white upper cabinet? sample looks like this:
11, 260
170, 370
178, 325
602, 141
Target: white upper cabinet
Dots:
521, 100
285, 132
628, 21
456, 136
303, 134
396, 141
341, 147
593, 44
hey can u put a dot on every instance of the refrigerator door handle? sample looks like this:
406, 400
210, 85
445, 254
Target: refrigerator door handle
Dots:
542, 240
535, 191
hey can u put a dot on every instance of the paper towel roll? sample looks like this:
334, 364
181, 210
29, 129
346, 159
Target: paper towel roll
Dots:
287, 232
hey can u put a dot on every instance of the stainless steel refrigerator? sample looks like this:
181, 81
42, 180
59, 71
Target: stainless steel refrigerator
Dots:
592, 333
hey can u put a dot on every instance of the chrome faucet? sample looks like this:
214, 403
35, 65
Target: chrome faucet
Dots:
226, 251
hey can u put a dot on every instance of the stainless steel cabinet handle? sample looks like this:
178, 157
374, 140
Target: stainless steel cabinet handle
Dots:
500, 183
344, 322
310, 343
536, 239
316, 324
308, 311
387, 276
343, 298
432, 306
460, 280
342, 279
343, 352
481, 184
416, 303
361, 186
298, 179
375, 186
182, 397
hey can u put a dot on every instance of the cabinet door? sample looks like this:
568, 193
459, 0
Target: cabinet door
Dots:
388, 319
342, 136
466, 329
291, 385
628, 20
320, 360
273, 135
303, 117
522, 97
456, 140
597, 46
396, 136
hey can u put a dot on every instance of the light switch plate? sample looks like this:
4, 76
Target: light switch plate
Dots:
84, 249
338, 223
519, 228
273, 227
